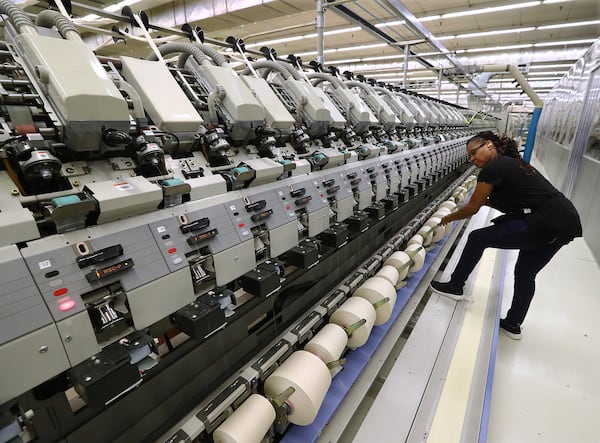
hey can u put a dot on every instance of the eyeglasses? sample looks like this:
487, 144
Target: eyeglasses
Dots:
474, 151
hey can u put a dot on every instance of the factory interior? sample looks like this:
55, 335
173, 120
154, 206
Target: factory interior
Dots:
219, 220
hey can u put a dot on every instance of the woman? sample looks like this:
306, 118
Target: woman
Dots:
538, 220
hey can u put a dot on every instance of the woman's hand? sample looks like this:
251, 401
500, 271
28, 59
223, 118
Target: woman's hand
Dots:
477, 200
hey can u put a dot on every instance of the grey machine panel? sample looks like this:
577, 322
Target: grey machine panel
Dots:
160, 298
17, 223
361, 186
390, 171
307, 196
207, 228
339, 192
183, 234
56, 258
234, 262
22, 308
268, 208
374, 174
78, 337
36, 357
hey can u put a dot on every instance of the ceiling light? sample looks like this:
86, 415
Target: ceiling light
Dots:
546, 73
549, 2
120, 5
499, 32
382, 57
490, 9
304, 54
551, 66
275, 41
499, 48
347, 61
394, 23
564, 43
300, 37
88, 18
446, 37
429, 18
358, 48
569, 25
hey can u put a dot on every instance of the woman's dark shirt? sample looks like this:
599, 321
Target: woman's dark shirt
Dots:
517, 191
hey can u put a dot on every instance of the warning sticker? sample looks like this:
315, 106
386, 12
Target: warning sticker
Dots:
124, 186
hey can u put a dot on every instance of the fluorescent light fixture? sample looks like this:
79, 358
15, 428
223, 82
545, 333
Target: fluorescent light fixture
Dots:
549, 2
360, 47
569, 25
300, 37
498, 32
446, 37
500, 48
401, 75
120, 5
429, 18
488, 10
565, 43
276, 41
334, 32
551, 66
427, 54
382, 57
394, 23
341, 62
304, 54
533, 74
89, 17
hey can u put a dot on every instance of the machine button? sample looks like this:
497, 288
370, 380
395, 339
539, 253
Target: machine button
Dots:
61, 291
66, 304
172, 250
51, 274
55, 283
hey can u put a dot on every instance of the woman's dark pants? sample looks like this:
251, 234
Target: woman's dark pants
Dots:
510, 234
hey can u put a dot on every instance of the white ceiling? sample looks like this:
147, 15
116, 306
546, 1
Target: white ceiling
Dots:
546, 37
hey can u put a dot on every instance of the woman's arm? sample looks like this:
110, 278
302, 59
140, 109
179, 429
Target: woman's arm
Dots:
478, 199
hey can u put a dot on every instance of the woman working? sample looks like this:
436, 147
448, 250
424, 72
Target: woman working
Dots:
538, 220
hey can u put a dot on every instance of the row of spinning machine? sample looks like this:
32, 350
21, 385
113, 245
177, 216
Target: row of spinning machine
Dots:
295, 390
165, 219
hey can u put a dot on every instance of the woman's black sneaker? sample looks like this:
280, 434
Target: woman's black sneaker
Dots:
510, 329
447, 290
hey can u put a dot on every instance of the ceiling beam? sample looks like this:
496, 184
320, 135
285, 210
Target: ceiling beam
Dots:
422, 32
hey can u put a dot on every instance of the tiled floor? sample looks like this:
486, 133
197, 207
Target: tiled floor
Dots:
547, 385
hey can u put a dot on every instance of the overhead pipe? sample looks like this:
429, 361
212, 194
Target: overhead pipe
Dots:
212, 53
320, 77
537, 102
185, 48
268, 66
518, 76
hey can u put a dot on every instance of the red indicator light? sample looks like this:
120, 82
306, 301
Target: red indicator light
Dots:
172, 251
66, 304
241, 225
61, 291
321, 195
288, 207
